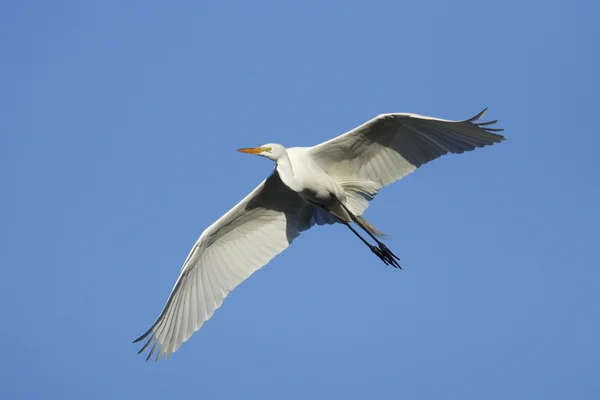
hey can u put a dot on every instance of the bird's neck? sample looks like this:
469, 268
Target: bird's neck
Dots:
286, 173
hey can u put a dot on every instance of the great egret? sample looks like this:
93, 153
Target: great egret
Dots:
332, 182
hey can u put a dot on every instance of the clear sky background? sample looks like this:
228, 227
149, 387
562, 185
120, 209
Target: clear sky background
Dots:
119, 124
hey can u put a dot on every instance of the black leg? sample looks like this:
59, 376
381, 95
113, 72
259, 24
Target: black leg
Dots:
383, 256
384, 249
386, 256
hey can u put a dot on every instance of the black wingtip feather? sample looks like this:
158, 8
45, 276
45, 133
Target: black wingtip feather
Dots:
476, 117
487, 123
484, 125
143, 336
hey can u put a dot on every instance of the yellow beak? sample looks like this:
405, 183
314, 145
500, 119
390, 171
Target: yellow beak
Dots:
251, 150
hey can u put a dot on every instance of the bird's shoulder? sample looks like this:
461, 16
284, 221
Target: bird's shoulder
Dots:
298, 153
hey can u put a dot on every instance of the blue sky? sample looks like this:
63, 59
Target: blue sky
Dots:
119, 124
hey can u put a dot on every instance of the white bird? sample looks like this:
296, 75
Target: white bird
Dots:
332, 182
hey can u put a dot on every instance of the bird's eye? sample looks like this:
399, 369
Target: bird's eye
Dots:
268, 149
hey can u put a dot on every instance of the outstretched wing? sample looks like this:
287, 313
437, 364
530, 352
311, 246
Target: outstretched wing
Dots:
240, 242
390, 146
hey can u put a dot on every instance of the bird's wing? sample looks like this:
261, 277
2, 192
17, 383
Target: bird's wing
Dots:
240, 242
390, 146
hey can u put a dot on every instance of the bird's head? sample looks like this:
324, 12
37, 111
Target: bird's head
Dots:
272, 151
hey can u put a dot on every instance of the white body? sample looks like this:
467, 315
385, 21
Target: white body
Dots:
303, 175
299, 171
349, 169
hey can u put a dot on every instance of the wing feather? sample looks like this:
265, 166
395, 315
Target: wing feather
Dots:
246, 238
391, 146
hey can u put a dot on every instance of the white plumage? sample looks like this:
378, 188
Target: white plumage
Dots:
328, 183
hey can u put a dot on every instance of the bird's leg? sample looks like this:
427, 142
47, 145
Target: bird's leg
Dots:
387, 260
376, 250
382, 247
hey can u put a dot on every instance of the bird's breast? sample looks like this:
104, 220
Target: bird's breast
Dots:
316, 196
317, 186
321, 189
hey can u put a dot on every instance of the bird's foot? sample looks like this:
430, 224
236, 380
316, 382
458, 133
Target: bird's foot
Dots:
386, 255
385, 249
377, 251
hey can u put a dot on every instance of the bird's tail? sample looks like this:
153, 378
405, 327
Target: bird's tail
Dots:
358, 195
367, 226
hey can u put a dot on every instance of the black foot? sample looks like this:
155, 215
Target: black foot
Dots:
385, 249
386, 255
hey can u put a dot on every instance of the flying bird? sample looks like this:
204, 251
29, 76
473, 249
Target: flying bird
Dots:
332, 182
